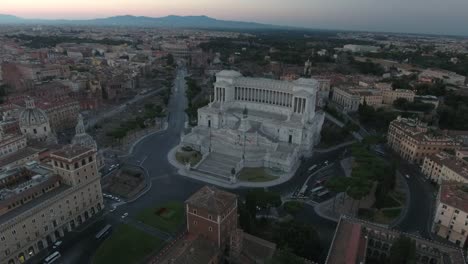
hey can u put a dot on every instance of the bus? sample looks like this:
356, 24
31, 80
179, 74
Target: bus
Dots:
322, 194
52, 258
303, 190
312, 167
318, 189
104, 232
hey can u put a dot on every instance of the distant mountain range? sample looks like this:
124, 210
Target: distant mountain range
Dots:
142, 21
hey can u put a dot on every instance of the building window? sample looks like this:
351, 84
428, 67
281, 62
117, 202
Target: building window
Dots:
195, 222
456, 211
194, 211
210, 229
210, 217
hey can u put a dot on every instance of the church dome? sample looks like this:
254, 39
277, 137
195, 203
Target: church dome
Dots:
81, 137
32, 117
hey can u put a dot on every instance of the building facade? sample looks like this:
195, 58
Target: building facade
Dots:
255, 122
389, 96
414, 140
39, 204
348, 101
357, 241
445, 167
451, 215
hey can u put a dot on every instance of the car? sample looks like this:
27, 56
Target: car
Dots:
124, 215
112, 209
326, 163
407, 176
57, 244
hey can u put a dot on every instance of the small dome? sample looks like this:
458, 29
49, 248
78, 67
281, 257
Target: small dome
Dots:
81, 137
84, 140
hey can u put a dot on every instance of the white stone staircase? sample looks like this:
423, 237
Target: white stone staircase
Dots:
218, 164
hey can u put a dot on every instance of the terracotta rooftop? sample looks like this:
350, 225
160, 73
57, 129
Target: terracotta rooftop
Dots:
454, 194
212, 199
455, 164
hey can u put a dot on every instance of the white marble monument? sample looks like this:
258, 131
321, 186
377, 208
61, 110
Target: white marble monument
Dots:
256, 122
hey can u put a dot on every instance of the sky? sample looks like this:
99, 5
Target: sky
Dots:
413, 16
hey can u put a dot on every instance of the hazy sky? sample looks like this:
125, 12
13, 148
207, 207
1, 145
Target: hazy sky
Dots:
423, 16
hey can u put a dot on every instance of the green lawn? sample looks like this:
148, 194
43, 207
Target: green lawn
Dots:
126, 245
255, 175
192, 157
392, 213
167, 217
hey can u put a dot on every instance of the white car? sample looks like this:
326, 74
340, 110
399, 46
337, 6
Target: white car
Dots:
407, 176
112, 209
57, 244
124, 215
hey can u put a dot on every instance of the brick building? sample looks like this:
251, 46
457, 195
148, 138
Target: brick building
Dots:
212, 234
212, 213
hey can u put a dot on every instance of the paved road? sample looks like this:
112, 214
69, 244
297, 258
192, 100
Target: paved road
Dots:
420, 212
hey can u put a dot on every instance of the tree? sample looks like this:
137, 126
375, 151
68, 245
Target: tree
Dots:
300, 237
170, 59
261, 198
286, 256
403, 251
293, 207
338, 185
400, 103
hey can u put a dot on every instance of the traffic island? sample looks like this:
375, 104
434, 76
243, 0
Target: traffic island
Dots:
127, 245
187, 155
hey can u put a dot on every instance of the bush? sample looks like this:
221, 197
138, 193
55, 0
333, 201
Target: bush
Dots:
293, 207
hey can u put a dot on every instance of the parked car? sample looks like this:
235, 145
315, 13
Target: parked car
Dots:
124, 215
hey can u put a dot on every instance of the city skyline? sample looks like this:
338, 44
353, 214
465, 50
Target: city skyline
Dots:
417, 16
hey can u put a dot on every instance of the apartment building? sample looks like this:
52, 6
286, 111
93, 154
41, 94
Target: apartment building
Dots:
39, 203
389, 96
451, 215
349, 99
445, 167
413, 140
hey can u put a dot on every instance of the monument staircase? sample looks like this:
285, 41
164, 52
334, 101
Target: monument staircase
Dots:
218, 164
